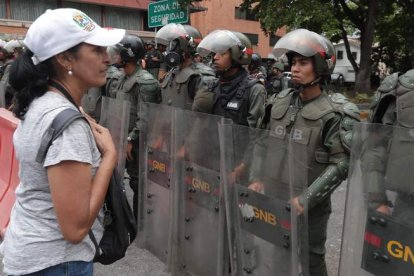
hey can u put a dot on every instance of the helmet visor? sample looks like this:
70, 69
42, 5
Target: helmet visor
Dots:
170, 32
301, 41
218, 41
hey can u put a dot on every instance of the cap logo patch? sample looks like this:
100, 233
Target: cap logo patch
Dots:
84, 21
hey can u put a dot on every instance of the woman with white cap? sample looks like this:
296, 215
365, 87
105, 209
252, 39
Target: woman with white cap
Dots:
60, 200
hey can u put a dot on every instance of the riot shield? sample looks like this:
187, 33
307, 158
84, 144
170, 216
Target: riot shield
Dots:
115, 117
201, 243
91, 102
263, 171
156, 185
379, 218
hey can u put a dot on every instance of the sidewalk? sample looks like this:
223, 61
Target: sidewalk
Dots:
137, 262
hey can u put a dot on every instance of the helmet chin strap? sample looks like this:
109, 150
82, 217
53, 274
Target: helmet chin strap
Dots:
225, 70
306, 85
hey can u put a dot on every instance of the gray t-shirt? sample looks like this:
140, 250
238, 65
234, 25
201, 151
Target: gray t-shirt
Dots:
33, 240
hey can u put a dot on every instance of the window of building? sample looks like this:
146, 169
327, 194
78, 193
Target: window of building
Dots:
273, 39
2, 8
339, 54
254, 38
355, 55
29, 10
244, 14
128, 19
93, 11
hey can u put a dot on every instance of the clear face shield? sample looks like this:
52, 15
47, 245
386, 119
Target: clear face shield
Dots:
307, 44
172, 35
218, 41
301, 41
114, 53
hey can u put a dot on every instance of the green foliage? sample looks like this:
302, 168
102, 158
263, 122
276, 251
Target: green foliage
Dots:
395, 36
336, 18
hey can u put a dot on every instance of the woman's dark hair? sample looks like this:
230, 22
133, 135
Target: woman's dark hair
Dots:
31, 81
28, 81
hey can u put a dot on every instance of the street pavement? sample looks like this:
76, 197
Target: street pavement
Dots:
140, 262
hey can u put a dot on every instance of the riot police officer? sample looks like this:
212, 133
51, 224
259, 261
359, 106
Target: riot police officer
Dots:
390, 107
235, 94
182, 82
114, 73
313, 118
255, 68
136, 85
153, 59
277, 80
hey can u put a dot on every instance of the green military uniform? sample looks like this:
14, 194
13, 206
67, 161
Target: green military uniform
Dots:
152, 66
140, 86
113, 76
92, 100
324, 125
240, 99
393, 106
180, 86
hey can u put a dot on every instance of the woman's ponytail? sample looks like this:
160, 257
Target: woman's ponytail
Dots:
29, 81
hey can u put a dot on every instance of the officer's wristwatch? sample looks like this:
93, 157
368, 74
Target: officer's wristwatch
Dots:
129, 139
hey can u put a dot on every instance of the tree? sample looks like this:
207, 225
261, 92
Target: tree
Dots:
335, 18
338, 18
395, 37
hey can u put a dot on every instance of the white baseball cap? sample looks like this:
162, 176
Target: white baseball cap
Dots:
58, 30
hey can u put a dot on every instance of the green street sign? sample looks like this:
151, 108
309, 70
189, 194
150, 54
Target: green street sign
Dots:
163, 12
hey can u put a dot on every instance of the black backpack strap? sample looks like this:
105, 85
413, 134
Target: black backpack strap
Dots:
93, 239
61, 121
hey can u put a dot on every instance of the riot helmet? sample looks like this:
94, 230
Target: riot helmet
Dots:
279, 66
181, 40
13, 47
331, 54
219, 41
114, 54
307, 44
131, 48
255, 62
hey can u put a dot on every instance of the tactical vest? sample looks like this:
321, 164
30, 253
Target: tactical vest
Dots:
175, 88
140, 86
304, 126
237, 106
401, 90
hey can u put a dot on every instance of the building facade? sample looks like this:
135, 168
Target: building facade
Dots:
17, 15
132, 15
343, 65
226, 14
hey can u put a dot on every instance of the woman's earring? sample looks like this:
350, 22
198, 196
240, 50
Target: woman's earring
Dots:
70, 73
